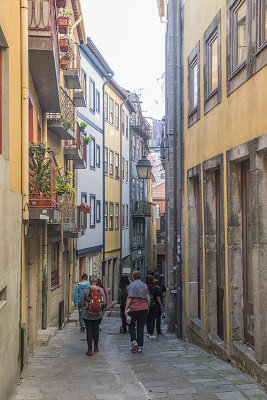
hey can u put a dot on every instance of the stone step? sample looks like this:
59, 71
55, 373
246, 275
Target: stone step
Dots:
44, 335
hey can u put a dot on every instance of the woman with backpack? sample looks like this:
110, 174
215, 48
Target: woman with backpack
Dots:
155, 305
122, 297
93, 303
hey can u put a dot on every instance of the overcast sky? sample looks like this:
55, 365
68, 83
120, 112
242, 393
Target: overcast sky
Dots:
130, 37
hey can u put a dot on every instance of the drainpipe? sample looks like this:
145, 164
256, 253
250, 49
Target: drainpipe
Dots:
121, 190
24, 109
179, 167
44, 264
71, 274
110, 76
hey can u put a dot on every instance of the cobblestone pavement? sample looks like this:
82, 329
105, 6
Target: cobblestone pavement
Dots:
167, 369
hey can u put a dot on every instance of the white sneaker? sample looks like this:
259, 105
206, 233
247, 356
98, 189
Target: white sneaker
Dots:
134, 346
152, 337
139, 349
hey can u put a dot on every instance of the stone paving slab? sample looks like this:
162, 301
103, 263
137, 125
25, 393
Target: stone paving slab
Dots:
168, 369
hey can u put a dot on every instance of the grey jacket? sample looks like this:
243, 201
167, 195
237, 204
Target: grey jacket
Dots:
84, 301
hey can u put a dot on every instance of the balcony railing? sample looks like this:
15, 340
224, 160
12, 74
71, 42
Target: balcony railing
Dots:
141, 208
76, 149
68, 208
72, 74
67, 113
42, 181
140, 125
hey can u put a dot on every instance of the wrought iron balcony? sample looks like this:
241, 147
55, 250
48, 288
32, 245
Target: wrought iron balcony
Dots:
80, 225
76, 150
44, 203
140, 125
63, 124
79, 95
141, 208
72, 75
44, 53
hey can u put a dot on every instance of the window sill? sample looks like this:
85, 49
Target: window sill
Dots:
192, 112
2, 303
215, 91
261, 48
237, 70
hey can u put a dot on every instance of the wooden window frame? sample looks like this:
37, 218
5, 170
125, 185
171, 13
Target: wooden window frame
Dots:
106, 157
117, 167
106, 221
213, 32
83, 216
106, 108
123, 168
117, 116
98, 156
98, 211
92, 223
127, 127
111, 111
117, 216
261, 39
123, 122
127, 217
111, 216
92, 143
97, 101
92, 103
123, 216
111, 164
126, 170
193, 60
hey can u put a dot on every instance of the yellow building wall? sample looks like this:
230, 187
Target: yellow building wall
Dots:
112, 185
239, 117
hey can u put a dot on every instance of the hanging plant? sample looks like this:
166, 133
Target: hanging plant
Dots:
63, 20
83, 125
64, 44
87, 139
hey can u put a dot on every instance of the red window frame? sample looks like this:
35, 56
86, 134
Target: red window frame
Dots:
55, 272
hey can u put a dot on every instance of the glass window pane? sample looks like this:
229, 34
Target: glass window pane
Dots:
195, 87
214, 64
241, 15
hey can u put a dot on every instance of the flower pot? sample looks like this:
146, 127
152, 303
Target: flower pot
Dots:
84, 209
64, 45
64, 62
63, 24
61, 3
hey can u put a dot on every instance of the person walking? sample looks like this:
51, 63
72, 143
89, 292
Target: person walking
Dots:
155, 305
99, 283
77, 297
93, 302
161, 287
136, 308
122, 297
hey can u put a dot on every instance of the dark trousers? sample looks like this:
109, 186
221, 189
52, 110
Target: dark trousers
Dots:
123, 320
138, 317
92, 331
151, 318
158, 321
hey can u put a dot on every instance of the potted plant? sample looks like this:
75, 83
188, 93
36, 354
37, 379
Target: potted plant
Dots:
87, 139
83, 125
63, 20
85, 208
61, 3
64, 43
64, 60
40, 175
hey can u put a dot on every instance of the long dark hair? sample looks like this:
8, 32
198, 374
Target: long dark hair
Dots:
124, 281
150, 283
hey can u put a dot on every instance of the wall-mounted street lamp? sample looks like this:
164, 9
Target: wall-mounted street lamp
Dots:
144, 168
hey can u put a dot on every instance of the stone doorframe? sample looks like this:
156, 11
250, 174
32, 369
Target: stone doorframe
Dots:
192, 175
209, 167
255, 151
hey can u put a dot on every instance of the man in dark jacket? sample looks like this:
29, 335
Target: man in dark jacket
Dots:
162, 289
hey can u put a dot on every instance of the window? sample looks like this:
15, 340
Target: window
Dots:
111, 111
111, 163
127, 127
54, 265
127, 220
141, 190
92, 152
83, 216
31, 138
238, 34
137, 189
117, 116
123, 216
106, 161
116, 165
137, 148
212, 64
111, 216
193, 86
92, 95
122, 122
126, 170
262, 22
97, 100
134, 189
98, 211
106, 215
123, 168
117, 216
134, 144
92, 212
157, 211
85, 86
98, 155
106, 106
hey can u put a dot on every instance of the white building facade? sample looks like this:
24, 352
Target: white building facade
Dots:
90, 180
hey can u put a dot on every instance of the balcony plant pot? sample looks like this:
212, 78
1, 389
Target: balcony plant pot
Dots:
64, 62
61, 3
64, 45
63, 24
84, 209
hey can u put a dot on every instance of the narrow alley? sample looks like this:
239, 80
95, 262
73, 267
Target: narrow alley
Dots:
167, 369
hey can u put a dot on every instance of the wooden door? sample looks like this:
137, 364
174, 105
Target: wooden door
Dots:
219, 266
246, 248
